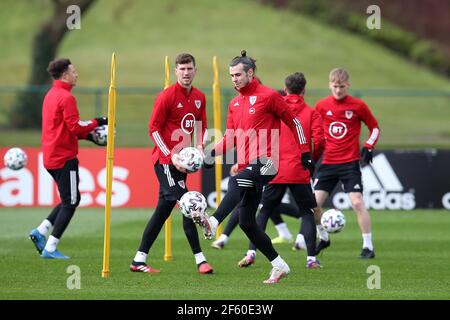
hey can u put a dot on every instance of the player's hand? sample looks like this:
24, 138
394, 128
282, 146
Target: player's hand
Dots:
366, 155
208, 160
102, 121
234, 170
308, 163
90, 137
200, 148
177, 164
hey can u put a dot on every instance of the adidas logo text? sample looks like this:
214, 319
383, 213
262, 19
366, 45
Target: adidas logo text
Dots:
382, 189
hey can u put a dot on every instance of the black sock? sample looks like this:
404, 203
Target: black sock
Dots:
309, 232
52, 216
154, 225
190, 230
62, 220
247, 222
229, 202
232, 222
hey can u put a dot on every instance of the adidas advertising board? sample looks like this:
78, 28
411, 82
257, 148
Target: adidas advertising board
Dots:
382, 188
135, 184
403, 180
396, 180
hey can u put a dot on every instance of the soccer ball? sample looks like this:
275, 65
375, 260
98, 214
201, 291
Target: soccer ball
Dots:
100, 134
192, 201
333, 221
191, 159
15, 159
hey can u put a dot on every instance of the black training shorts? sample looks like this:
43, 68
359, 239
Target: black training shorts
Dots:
349, 174
302, 193
67, 178
172, 183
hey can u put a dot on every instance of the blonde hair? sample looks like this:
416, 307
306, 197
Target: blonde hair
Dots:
339, 75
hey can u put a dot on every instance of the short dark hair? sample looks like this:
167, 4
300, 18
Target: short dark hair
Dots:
295, 83
248, 62
57, 67
184, 58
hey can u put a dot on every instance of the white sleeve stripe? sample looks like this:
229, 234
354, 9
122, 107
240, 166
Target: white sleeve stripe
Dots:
82, 123
373, 136
160, 143
301, 135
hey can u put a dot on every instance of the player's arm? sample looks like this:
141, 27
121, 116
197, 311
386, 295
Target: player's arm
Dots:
156, 124
371, 123
72, 119
281, 109
223, 145
155, 128
317, 135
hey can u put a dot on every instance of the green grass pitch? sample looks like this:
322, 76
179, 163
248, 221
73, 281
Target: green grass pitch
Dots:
411, 247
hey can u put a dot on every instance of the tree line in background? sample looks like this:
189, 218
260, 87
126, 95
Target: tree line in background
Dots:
27, 110
432, 23
416, 29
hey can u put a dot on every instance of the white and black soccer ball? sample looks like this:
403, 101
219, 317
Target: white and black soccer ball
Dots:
100, 135
191, 159
333, 221
15, 159
192, 201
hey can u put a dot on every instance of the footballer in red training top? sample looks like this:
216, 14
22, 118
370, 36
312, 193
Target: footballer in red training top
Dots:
177, 112
61, 130
342, 116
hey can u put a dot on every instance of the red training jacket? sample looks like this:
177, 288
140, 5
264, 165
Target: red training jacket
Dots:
176, 113
253, 124
291, 170
61, 126
342, 126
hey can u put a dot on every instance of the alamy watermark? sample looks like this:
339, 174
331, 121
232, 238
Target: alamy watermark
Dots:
74, 20
374, 20
74, 280
374, 280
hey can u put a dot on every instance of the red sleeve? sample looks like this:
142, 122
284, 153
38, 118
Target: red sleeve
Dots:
72, 119
371, 123
317, 135
281, 109
227, 142
157, 121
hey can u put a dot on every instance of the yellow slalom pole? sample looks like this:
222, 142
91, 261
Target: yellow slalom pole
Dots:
168, 225
218, 126
109, 165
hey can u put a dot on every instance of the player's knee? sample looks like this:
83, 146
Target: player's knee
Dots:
358, 204
246, 225
70, 205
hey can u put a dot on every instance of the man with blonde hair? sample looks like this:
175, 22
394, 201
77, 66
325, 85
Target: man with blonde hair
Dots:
342, 115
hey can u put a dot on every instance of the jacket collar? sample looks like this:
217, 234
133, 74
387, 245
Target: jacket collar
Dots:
183, 90
62, 84
294, 98
249, 88
343, 100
